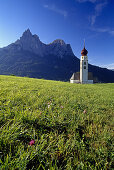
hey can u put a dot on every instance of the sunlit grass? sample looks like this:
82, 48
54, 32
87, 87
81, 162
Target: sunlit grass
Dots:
72, 124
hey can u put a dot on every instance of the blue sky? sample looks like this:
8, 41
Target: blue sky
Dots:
70, 20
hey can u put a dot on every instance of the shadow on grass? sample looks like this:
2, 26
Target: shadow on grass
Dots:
44, 126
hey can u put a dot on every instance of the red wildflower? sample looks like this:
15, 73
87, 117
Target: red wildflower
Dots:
32, 142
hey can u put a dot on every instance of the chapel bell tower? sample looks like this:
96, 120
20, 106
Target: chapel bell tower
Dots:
84, 66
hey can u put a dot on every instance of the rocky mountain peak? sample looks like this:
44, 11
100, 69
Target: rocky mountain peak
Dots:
27, 33
60, 48
32, 43
59, 41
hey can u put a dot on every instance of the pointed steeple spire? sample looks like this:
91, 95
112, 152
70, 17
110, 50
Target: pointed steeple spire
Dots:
84, 43
84, 52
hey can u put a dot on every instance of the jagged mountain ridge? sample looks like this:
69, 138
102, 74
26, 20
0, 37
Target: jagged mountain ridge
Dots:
28, 56
32, 43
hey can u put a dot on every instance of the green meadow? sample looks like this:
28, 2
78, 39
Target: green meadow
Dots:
71, 124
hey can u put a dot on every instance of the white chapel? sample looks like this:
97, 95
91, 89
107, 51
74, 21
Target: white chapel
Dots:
83, 77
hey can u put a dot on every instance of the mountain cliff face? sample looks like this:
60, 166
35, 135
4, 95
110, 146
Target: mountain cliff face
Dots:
32, 43
28, 56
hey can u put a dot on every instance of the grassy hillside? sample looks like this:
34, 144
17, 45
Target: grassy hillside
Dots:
71, 124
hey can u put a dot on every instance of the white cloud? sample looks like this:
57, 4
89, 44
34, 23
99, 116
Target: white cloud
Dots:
57, 10
109, 66
98, 9
104, 30
112, 32
99, 5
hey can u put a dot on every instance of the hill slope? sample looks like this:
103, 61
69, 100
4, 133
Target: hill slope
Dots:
28, 56
70, 123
